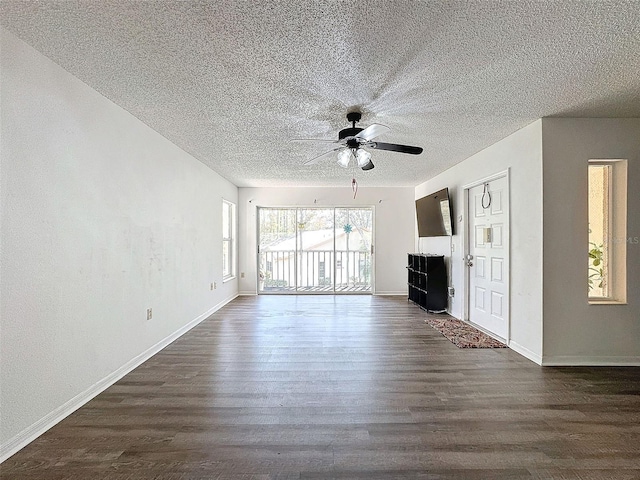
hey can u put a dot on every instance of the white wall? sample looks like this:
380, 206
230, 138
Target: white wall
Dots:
394, 227
102, 218
574, 331
521, 153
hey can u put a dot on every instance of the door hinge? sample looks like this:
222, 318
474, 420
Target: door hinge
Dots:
372, 249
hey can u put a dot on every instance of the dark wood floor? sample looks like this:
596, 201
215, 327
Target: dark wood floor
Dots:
343, 387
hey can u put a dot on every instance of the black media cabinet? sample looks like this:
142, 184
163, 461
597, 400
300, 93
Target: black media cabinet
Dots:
427, 279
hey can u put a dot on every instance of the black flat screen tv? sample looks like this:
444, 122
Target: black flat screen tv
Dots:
435, 218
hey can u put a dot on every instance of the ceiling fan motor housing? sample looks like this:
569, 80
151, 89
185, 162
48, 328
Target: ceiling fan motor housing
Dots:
349, 132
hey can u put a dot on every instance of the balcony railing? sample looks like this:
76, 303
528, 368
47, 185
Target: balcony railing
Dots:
315, 271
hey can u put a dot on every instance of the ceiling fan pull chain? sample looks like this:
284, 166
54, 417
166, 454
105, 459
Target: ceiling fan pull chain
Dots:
354, 187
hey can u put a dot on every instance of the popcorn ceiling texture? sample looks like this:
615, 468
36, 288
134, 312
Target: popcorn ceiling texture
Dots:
231, 82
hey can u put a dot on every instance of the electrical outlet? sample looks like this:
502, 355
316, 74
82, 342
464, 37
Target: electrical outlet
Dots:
149, 313
211, 285
215, 285
452, 291
241, 274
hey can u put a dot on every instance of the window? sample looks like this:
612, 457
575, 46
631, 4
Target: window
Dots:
228, 239
599, 228
607, 231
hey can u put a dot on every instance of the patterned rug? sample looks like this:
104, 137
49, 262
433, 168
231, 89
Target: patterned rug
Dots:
463, 335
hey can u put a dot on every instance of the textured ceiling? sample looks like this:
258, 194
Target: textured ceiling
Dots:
231, 82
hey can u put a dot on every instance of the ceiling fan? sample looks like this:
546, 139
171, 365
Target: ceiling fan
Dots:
353, 141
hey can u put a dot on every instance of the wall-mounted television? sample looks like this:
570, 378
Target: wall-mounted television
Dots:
434, 214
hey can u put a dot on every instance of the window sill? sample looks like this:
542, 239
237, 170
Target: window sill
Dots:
607, 302
228, 279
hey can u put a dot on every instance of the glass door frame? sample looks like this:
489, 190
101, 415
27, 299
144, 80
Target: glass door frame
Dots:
332, 291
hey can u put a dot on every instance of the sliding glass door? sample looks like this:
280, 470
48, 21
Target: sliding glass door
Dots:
353, 234
315, 250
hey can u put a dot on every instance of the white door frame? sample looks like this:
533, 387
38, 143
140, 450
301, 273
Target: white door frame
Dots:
466, 243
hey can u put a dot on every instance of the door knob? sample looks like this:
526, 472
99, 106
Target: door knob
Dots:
468, 260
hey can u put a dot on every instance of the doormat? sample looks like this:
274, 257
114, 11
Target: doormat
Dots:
463, 335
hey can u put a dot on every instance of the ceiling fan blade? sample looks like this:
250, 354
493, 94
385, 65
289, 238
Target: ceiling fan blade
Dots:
372, 131
368, 166
320, 140
394, 147
319, 157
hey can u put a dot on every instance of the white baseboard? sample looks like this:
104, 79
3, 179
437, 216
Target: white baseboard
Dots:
32, 432
589, 361
525, 352
253, 293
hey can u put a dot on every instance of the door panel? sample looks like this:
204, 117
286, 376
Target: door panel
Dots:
277, 249
480, 267
480, 295
496, 269
315, 249
496, 304
496, 203
353, 234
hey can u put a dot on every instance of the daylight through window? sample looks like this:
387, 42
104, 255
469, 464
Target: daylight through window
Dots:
228, 239
599, 228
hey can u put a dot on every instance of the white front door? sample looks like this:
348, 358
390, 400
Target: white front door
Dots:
488, 259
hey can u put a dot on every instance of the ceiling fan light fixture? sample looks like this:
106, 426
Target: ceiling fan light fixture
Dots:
362, 157
344, 157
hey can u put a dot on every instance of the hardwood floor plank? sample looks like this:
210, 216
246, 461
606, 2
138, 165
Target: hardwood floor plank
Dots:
342, 387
